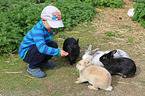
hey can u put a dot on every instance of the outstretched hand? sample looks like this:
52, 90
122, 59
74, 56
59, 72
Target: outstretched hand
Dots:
63, 53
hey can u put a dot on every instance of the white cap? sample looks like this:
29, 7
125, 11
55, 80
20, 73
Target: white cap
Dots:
53, 16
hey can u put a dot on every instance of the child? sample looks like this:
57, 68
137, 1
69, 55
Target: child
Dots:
38, 47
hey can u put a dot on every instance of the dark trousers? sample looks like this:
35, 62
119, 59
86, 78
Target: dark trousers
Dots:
35, 58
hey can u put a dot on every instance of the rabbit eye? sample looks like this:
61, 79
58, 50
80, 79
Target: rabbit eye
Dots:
104, 58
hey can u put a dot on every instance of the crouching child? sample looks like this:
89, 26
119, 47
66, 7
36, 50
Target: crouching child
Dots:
37, 47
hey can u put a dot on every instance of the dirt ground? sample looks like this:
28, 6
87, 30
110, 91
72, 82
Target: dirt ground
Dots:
116, 19
132, 40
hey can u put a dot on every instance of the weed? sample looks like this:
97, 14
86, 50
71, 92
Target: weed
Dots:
130, 39
61, 35
110, 33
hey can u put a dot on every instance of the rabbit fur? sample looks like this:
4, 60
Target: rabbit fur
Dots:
97, 54
71, 46
98, 76
122, 65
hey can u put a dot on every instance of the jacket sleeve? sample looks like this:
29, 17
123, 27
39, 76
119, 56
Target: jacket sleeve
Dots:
39, 40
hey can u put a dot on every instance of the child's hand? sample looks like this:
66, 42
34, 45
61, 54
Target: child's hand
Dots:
63, 53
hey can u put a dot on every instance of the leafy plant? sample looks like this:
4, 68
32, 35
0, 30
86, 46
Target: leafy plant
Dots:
61, 35
130, 39
16, 22
4, 5
134, 0
75, 12
106, 3
139, 15
19, 16
110, 33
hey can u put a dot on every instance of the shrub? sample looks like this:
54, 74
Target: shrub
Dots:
16, 22
18, 19
106, 3
139, 15
19, 16
75, 12
4, 6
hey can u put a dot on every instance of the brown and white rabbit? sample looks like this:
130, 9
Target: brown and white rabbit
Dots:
98, 76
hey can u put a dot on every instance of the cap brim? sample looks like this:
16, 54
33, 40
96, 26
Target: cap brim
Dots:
55, 23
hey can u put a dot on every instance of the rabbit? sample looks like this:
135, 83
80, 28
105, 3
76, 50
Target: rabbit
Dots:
71, 46
98, 76
89, 52
98, 54
122, 66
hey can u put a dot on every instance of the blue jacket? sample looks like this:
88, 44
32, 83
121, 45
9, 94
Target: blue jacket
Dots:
40, 36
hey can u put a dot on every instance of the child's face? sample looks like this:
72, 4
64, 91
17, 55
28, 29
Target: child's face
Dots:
47, 25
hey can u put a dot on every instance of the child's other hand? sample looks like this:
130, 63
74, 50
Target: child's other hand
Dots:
63, 53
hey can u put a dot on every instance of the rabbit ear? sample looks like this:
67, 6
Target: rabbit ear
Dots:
89, 48
111, 53
77, 41
88, 64
114, 51
94, 51
88, 60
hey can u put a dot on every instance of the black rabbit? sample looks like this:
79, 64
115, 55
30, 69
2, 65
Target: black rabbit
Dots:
71, 46
122, 66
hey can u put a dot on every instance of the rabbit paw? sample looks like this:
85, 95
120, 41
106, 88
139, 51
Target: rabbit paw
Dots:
92, 87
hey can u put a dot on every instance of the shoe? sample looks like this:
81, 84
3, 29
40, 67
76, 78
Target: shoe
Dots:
48, 65
37, 72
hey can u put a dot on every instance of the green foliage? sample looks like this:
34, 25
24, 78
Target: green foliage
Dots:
106, 3
28, 1
61, 35
19, 16
75, 12
4, 6
16, 22
130, 39
139, 15
110, 33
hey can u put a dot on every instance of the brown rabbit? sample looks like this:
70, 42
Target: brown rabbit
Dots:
99, 77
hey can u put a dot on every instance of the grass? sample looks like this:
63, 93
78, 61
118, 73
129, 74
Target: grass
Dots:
106, 32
